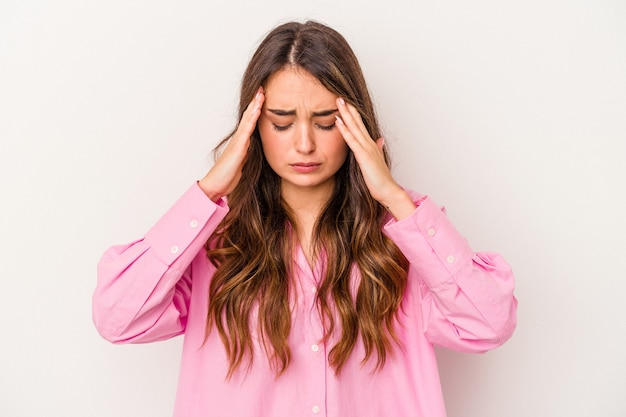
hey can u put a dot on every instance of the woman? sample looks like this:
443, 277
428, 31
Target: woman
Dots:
305, 279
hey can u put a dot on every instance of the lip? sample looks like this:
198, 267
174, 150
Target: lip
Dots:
305, 167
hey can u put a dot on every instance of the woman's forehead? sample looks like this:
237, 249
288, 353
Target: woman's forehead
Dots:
292, 88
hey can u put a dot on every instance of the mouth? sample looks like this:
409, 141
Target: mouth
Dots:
305, 167
305, 164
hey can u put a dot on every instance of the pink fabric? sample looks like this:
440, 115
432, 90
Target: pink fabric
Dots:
156, 288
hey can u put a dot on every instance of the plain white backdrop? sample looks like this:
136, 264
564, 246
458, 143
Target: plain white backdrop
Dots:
509, 113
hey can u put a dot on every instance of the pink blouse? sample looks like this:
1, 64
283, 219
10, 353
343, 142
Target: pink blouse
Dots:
156, 288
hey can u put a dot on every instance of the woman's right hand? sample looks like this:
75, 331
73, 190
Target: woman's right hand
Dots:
226, 172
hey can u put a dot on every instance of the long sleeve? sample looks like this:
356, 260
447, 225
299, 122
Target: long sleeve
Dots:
144, 287
466, 298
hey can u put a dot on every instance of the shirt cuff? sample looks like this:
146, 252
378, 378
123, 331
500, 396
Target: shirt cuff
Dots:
186, 226
430, 242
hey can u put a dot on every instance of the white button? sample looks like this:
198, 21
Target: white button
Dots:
314, 289
193, 223
315, 409
431, 232
174, 249
450, 259
315, 348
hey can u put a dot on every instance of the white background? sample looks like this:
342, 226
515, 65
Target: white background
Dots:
509, 113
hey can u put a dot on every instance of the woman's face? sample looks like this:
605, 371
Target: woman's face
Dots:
298, 133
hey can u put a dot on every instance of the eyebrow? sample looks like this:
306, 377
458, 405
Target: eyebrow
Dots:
322, 113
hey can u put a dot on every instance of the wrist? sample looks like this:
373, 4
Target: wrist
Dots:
399, 204
208, 191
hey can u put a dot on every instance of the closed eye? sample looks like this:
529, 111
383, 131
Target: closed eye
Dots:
281, 128
326, 127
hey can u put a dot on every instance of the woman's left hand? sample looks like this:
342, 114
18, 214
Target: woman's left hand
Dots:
369, 155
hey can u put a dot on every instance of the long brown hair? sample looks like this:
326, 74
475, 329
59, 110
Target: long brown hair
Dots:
253, 247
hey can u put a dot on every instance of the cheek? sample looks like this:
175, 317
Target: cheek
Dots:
339, 147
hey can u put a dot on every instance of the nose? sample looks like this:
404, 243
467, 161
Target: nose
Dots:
304, 141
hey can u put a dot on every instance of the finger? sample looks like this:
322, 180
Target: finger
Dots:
353, 121
358, 120
351, 141
252, 112
380, 144
248, 121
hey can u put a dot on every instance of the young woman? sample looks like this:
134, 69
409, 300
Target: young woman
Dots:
305, 279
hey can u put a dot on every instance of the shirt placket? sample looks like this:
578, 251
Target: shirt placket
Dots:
316, 361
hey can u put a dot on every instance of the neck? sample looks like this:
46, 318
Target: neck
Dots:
306, 201
306, 204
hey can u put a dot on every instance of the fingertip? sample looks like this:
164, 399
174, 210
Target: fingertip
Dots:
258, 100
259, 94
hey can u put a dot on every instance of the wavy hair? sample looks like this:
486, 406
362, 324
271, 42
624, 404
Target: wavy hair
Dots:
253, 247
